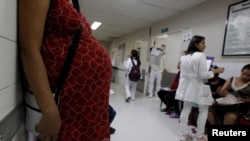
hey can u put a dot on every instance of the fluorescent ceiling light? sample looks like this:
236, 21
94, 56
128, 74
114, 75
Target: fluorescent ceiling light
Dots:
95, 25
163, 36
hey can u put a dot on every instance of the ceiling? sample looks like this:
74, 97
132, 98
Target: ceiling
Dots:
120, 17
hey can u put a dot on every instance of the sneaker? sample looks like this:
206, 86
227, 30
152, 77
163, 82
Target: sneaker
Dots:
174, 115
112, 130
186, 137
127, 99
150, 96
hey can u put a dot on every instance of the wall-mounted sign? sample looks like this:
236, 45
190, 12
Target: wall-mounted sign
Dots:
237, 33
164, 30
187, 35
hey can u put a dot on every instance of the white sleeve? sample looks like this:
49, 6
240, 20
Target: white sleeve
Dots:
202, 70
128, 65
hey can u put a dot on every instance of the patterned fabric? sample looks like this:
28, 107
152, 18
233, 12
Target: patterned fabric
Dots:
84, 99
243, 91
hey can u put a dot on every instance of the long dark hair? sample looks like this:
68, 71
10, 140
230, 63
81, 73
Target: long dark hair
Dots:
76, 5
246, 67
192, 47
135, 55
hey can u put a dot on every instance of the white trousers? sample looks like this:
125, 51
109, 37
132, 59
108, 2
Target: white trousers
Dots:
130, 88
155, 75
201, 120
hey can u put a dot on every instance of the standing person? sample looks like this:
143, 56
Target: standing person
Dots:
130, 86
45, 36
157, 65
191, 89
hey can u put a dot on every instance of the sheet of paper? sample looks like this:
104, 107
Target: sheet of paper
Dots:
229, 99
210, 60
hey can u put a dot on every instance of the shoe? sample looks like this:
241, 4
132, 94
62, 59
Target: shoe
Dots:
186, 137
169, 112
150, 96
174, 115
164, 110
112, 130
193, 130
203, 138
127, 99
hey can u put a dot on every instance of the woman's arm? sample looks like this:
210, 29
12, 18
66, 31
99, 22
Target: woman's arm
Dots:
203, 71
223, 90
217, 91
32, 16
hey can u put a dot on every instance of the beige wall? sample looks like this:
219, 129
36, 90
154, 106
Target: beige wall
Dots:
207, 19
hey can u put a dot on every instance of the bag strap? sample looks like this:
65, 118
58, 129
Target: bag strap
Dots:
132, 60
67, 63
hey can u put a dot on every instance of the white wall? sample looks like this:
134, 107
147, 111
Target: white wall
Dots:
8, 57
10, 93
207, 19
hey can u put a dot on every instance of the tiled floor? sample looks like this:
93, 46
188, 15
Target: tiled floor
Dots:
141, 120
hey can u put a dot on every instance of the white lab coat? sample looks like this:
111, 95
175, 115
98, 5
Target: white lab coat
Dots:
193, 75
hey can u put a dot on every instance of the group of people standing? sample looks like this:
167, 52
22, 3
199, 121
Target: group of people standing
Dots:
195, 85
155, 69
199, 87
45, 38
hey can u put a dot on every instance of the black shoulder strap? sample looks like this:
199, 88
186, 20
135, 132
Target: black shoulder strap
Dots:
132, 60
67, 63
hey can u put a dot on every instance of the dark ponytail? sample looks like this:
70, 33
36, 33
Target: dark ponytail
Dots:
135, 54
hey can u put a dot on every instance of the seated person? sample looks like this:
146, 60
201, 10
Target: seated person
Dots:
168, 98
215, 84
112, 114
238, 87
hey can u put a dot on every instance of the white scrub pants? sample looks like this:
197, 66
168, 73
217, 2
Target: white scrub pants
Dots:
201, 120
130, 88
154, 75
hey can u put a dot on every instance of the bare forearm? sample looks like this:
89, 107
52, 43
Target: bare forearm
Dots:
36, 75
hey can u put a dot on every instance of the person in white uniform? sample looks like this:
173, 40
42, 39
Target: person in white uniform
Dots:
130, 86
192, 90
157, 66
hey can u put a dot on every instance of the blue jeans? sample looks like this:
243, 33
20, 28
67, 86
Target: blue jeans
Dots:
112, 114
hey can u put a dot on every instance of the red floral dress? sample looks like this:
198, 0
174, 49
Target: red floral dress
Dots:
84, 99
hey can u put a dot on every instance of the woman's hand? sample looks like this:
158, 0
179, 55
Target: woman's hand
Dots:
50, 124
218, 70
